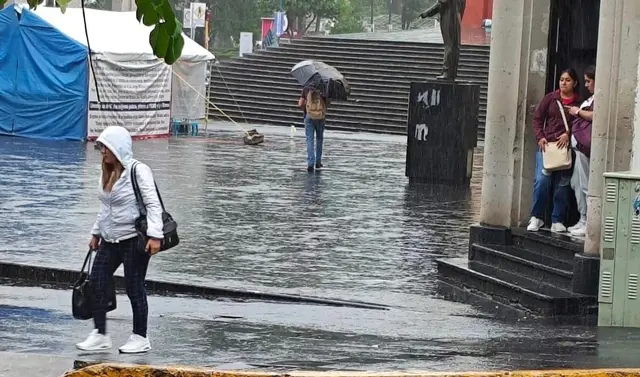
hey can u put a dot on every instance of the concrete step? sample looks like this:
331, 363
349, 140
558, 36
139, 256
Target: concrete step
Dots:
250, 94
348, 109
379, 56
538, 299
291, 96
425, 55
330, 41
503, 258
398, 88
342, 112
355, 77
288, 119
261, 94
533, 256
266, 83
259, 86
345, 65
342, 106
543, 242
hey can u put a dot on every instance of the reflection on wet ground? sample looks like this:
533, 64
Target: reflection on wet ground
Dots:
253, 218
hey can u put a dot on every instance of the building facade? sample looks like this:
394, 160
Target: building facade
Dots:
531, 41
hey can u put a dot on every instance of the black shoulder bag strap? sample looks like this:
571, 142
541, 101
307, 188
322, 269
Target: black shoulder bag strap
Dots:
136, 189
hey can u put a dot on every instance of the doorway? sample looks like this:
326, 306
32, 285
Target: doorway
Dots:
573, 42
573, 39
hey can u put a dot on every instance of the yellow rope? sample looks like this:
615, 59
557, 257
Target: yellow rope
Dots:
211, 103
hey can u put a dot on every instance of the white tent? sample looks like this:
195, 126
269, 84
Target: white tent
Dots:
135, 87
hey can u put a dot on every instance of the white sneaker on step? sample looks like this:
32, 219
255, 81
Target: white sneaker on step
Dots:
580, 231
95, 342
580, 224
535, 224
136, 344
558, 228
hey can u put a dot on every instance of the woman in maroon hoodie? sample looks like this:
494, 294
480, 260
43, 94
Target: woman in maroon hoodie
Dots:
549, 127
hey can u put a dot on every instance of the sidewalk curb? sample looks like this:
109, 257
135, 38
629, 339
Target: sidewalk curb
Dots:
29, 275
123, 370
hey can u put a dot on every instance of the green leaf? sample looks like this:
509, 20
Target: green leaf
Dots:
153, 38
168, 16
178, 31
176, 50
162, 44
141, 6
139, 14
170, 56
63, 5
33, 4
142, 3
150, 15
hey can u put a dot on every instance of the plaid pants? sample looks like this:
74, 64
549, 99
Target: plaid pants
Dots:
108, 258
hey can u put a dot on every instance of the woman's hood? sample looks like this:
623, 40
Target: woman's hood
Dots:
118, 140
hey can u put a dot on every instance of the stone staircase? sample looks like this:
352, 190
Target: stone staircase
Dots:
258, 88
524, 275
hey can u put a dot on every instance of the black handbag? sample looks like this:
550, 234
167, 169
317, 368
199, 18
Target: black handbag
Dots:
169, 225
82, 296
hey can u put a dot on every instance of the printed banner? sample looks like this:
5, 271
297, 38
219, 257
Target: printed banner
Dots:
134, 95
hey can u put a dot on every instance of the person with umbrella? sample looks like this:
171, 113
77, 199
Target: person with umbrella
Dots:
320, 82
313, 103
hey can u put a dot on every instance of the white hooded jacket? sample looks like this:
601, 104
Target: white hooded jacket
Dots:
118, 208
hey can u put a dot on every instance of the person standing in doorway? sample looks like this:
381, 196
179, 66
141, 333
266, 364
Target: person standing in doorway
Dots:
115, 237
314, 104
581, 144
549, 126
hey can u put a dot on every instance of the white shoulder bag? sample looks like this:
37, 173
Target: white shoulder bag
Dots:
555, 158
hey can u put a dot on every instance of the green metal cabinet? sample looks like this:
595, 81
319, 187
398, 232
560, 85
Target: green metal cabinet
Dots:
619, 305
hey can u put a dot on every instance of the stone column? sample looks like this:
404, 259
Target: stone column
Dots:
615, 103
517, 71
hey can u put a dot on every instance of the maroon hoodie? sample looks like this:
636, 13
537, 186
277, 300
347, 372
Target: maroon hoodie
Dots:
548, 111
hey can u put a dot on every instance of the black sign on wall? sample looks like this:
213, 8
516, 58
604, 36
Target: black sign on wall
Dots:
442, 128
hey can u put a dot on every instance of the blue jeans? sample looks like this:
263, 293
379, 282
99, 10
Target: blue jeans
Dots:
312, 127
560, 180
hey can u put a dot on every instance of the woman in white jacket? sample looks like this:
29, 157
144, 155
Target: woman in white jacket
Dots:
114, 236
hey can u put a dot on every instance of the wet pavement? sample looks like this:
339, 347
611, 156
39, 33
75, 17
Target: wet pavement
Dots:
267, 336
253, 218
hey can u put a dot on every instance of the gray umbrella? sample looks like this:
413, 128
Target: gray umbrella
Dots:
304, 70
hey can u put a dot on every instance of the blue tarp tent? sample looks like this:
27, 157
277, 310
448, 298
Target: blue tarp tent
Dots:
43, 79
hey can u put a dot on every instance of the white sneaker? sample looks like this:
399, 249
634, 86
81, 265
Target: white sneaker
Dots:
136, 344
580, 231
535, 224
558, 228
95, 342
580, 224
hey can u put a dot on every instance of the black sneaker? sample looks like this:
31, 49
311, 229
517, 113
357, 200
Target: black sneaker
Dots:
319, 165
310, 169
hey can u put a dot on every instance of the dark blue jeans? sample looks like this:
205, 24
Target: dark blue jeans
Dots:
312, 127
559, 182
131, 253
